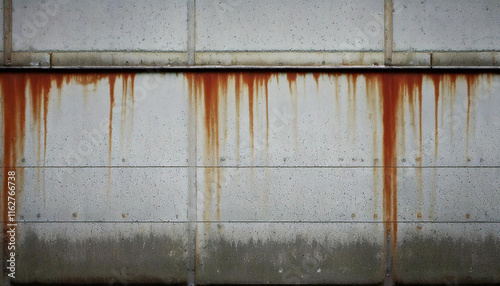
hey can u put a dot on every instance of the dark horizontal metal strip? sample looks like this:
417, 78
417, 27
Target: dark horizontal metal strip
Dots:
254, 167
263, 222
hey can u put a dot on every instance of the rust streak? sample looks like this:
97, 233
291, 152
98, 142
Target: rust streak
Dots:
436, 79
316, 76
237, 91
352, 79
390, 104
112, 80
210, 89
372, 88
471, 87
14, 115
254, 81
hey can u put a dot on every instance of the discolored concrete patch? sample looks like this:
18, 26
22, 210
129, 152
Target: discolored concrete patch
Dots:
140, 258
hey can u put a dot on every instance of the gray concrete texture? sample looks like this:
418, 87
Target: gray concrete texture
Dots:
253, 33
268, 177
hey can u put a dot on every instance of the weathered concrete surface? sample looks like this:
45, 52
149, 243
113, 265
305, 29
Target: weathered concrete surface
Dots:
80, 25
290, 253
347, 173
435, 25
154, 33
101, 253
448, 253
286, 25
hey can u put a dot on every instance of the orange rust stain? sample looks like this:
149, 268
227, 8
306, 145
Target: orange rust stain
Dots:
471, 87
316, 76
127, 103
372, 88
390, 104
335, 76
40, 85
237, 91
112, 81
436, 80
254, 80
14, 115
352, 80
393, 90
208, 88
292, 80
451, 83
292, 85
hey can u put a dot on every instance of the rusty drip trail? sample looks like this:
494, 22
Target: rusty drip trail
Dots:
14, 115
352, 80
255, 81
208, 87
209, 90
395, 88
471, 89
390, 106
436, 80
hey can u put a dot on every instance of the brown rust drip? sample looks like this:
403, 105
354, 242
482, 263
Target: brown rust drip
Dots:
40, 86
210, 91
292, 85
14, 87
112, 81
127, 105
390, 106
436, 79
393, 90
471, 87
237, 92
372, 89
39, 90
255, 81
14, 115
208, 88
292, 81
352, 80
316, 76
451, 82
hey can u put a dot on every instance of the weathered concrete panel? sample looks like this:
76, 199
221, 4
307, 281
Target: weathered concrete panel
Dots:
1, 30
436, 25
104, 194
71, 118
314, 177
243, 25
448, 253
80, 25
298, 194
290, 253
101, 253
333, 119
449, 194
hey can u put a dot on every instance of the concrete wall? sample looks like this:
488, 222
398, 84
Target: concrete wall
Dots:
242, 176
257, 33
245, 177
